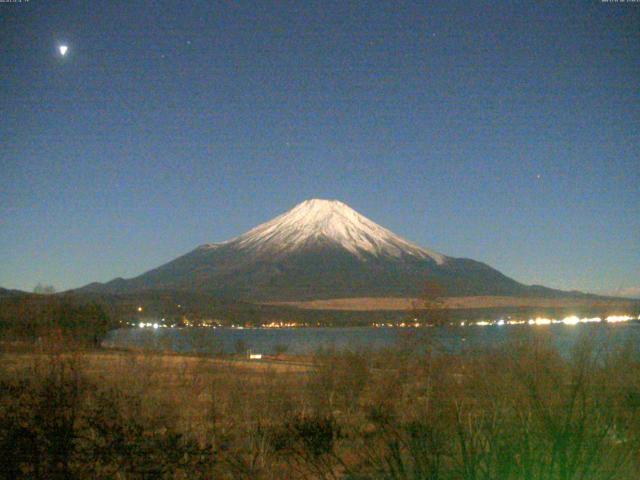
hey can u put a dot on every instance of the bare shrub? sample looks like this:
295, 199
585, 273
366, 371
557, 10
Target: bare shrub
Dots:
337, 381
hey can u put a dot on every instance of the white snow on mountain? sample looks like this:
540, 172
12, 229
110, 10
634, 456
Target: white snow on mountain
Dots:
314, 221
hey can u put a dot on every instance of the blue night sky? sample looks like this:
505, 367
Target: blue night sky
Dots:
506, 132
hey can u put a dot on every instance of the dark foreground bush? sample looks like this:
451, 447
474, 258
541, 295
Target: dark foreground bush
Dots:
56, 424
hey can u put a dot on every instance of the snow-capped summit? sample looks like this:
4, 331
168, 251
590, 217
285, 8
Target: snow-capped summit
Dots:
327, 221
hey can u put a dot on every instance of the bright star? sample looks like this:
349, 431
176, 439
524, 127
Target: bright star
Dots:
63, 50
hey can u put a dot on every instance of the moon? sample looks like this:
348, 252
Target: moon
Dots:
63, 49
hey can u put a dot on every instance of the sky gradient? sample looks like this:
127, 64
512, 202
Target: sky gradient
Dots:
506, 133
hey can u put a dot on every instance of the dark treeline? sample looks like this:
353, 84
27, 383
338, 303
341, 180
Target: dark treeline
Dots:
178, 307
37, 318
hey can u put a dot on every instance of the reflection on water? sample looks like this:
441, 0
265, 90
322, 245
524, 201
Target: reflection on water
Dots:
309, 340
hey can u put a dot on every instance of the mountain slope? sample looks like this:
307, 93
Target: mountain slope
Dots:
320, 249
4, 292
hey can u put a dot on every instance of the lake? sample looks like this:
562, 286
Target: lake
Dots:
309, 340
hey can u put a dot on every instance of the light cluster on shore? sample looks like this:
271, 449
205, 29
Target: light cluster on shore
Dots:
283, 325
156, 325
570, 320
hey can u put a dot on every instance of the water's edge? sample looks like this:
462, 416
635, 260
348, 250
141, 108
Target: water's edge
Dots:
309, 340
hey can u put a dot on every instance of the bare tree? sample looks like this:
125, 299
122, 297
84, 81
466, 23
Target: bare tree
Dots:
431, 307
44, 289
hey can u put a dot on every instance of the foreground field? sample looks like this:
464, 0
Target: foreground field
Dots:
518, 412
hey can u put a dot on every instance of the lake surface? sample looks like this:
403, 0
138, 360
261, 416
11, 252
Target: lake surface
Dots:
310, 340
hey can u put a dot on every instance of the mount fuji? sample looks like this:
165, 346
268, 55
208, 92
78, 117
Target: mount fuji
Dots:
320, 249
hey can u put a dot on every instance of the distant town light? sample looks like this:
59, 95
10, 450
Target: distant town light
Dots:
572, 320
540, 321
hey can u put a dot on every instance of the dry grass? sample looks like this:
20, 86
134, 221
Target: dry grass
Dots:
407, 304
180, 382
517, 412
